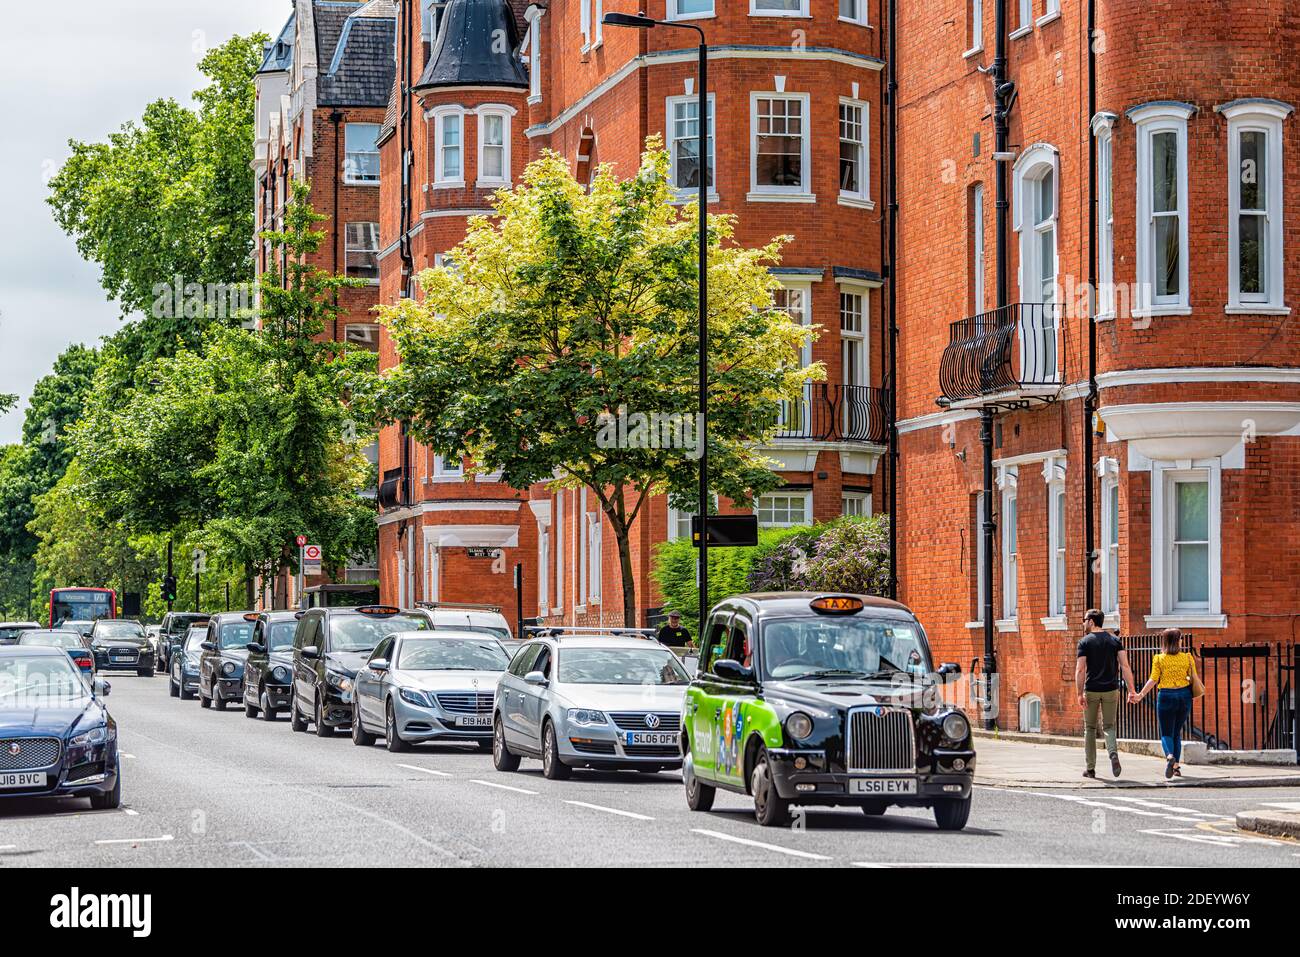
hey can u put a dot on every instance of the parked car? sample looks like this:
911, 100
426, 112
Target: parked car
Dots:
339, 595
56, 737
329, 646
225, 651
81, 626
173, 631
268, 671
815, 699
183, 675
10, 631
464, 616
428, 686
120, 644
589, 700
78, 648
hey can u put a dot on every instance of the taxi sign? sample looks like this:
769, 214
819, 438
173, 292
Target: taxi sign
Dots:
378, 610
252, 615
836, 604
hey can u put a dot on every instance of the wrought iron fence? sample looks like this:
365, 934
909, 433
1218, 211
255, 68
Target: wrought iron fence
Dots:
850, 413
1013, 347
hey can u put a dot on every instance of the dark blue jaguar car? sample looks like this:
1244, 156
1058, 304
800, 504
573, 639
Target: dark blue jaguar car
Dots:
56, 737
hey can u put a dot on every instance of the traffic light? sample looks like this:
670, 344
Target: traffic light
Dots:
169, 588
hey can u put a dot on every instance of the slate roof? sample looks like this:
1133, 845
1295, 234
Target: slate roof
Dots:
355, 53
464, 54
279, 52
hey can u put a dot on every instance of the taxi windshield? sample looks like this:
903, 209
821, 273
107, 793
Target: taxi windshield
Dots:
362, 632
620, 666
851, 647
280, 635
236, 634
452, 654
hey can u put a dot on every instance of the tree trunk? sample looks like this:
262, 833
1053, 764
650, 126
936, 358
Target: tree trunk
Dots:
629, 582
250, 592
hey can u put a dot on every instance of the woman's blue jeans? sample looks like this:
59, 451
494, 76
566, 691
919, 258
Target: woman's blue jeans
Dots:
1173, 707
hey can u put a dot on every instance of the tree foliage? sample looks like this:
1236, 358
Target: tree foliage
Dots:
571, 304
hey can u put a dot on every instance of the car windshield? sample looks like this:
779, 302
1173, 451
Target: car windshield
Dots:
195, 638
452, 654
10, 633
822, 646
280, 635
235, 634
40, 681
362, 633
180, 623
620, 666
51, 639
118, 629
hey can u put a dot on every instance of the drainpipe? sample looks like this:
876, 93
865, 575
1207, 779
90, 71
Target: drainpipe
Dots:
891, 97
408, 261
1090, 401
336, 117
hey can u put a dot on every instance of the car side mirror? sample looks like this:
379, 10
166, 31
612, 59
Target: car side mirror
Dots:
256, 647
208, 646
101, 688
311, 651
949, 668
732, 670
379, 664
535, 678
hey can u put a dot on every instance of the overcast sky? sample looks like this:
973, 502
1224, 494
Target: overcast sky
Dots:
78, 69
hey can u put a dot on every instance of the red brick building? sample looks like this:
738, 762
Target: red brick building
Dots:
321, 96
1161, 184
795, 96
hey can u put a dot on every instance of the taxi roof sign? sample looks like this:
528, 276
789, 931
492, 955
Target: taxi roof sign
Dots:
836, 604
378, 610
252, 615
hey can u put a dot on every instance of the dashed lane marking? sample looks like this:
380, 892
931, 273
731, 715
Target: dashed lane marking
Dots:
792, 852
1120, 808
125, 755
416, 767
1198, 836
611, 810
137, 840
1283, 805
503, 787
1165, 807
131, 812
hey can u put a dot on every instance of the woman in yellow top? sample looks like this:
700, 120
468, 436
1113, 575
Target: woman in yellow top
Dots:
1171, 673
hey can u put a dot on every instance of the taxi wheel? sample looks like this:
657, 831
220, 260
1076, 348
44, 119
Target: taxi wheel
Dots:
295, 717
552, 766
699, 796
323, 730
502, 759
172, 689
951, 814
250, 710
268, 713
219, 702
391, 737
360, 736
770, 809
204, 700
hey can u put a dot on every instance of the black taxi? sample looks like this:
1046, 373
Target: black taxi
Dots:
268, 671
221, 665
814, 699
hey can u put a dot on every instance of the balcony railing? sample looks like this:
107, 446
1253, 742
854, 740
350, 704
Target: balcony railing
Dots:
1012, 349
828, 413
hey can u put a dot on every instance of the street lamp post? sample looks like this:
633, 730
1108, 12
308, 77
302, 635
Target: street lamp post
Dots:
642, 22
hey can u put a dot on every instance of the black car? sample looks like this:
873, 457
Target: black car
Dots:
329, 646
221, 666
268, 672
173, 631
120, 644
183, 673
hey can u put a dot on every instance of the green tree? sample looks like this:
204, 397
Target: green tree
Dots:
570, 306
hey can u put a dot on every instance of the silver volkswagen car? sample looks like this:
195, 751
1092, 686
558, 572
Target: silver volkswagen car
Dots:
590, 701
428, 686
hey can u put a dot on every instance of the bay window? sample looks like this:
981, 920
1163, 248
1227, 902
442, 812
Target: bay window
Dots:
1109, 556
687, 9
1255, 234
780, 145
1162, 266
1054, 475
854, 157
1185, 520
1102, 126
493, 147
448, 154
854, 11
778, 8
784, 509
683, 124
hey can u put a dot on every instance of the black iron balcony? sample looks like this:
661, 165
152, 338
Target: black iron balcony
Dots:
836, 413
1009, 351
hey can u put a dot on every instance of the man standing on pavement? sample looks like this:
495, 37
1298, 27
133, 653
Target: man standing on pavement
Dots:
1096, 674
673, 634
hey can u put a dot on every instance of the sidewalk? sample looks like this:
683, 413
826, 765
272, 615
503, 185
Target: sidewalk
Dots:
1018, 764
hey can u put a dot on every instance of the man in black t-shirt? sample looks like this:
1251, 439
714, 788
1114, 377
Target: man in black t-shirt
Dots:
1101, 660
673, 634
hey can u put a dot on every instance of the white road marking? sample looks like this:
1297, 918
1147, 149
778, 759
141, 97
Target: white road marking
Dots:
1283, 805
611, 810
137, 840
416, 767
125, 755
808, 855
14, 847
503, 787
132, 812
1087, 802
1166, 807
1211, 837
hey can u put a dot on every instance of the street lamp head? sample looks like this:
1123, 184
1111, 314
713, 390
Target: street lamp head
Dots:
638, 20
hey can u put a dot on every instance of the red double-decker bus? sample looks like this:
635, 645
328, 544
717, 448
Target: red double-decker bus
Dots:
81, 604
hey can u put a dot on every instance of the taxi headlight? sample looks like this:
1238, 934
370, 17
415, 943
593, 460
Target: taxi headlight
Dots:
89, 738
281, 675
586, 717
956, 727
799, 725
229, 668
337, 679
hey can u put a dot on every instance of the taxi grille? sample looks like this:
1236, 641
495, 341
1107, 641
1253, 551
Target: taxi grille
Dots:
31, 753
635, 721
466, 703
880, 740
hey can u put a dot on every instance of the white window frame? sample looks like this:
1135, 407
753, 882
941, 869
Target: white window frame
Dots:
1103, 125
801, 12
559, 551
767, 193
670, 126
1257, 116
445, 472
855, 503
674, 6
1008, 518
428, 17
504, 113
598, 22
1026, 20
1108, 470
1057, 558
862, 374
349, 166
793, 417
1031, 167
862, 196
1165, 610
860, 19
440, 116
980, 558
595, 555
975, 25
543, 569
531, 51
584, 543
349, 248
1031, 714
978, 250
1150, 120
791, 495
1051, 11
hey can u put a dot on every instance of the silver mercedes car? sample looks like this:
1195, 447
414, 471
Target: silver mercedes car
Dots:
428, 686
585, 700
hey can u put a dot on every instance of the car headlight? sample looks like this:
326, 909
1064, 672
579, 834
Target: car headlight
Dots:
229, 669
281, 675
799, 725
336, 679
90, 738
586, 717
956, 727
411, 696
